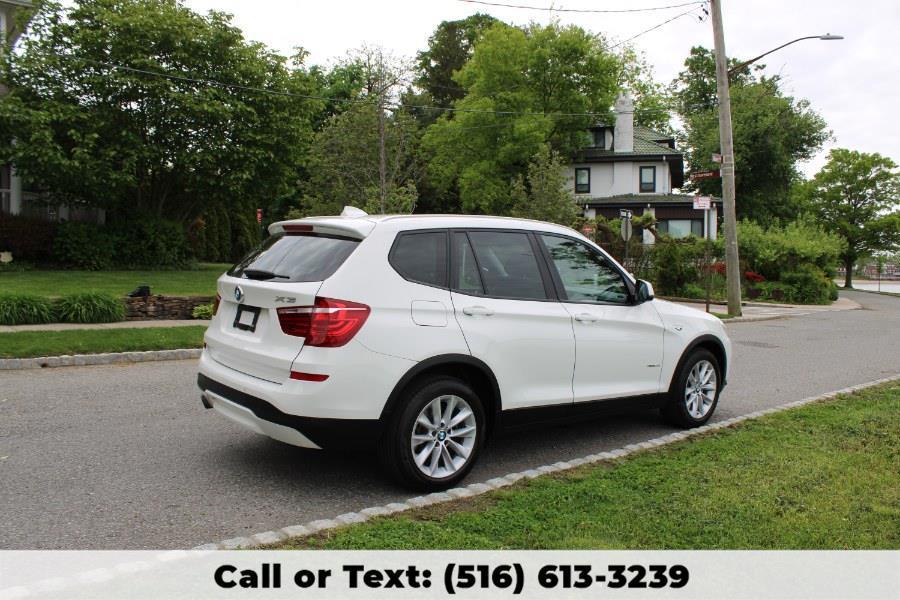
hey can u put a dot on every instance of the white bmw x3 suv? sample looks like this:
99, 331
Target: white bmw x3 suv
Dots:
422, 335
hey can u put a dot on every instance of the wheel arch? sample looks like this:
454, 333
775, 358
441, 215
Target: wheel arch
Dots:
462, 366
707, 342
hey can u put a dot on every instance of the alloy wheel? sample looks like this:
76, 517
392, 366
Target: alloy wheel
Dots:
700, 389
443, 436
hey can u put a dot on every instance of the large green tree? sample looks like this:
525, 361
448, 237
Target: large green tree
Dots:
772, 133
524, 88
544, 192
112, 106
449, 49
857, 196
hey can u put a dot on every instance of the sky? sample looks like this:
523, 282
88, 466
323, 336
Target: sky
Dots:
853, 83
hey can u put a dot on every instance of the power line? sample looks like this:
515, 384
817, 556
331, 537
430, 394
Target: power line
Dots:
583, 10
654, 28
395, 105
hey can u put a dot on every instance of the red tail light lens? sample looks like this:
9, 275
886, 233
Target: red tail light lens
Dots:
216, 304
328, 324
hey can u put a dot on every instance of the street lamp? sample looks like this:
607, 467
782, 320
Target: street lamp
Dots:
827, 37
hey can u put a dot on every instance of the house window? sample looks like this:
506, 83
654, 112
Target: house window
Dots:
648, 179
599, 138
681, 228
582, 181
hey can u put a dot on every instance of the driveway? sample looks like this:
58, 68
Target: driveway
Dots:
124, 456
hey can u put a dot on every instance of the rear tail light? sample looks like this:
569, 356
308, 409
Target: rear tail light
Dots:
216, 304
328, 324
299, 376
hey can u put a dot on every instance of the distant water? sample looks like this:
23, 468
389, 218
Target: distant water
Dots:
886, 286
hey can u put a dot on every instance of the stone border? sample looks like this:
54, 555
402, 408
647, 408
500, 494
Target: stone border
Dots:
79, 360
475, 489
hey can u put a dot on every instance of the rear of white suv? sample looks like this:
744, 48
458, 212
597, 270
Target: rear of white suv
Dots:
419, 335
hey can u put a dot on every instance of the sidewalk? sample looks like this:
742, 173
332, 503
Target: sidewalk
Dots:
117, 325
761, 311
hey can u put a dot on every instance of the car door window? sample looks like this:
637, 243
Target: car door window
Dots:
586, 275
507, 264
467, 279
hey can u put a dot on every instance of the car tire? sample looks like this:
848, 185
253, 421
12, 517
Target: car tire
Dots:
694, 393
428, 449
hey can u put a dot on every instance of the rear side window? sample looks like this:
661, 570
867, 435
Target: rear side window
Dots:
295, 257
421, 257
508, 265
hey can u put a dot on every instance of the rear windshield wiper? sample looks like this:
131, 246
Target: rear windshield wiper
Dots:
260, 274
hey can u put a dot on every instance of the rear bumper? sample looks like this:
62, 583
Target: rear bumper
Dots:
263, 417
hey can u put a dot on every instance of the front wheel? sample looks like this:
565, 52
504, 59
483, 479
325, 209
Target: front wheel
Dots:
434, 439
694, 393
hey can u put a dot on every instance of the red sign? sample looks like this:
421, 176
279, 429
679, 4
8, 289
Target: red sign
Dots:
259, 215
702, 202
588, 230
697, 175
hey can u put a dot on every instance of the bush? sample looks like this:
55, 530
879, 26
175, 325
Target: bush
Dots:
28, 239
151, 243
84, 246
89, 308
811, 285
776, 291
785, 248
24, 309
678, 263
203, 311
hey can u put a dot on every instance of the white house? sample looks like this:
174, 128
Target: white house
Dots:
630, 166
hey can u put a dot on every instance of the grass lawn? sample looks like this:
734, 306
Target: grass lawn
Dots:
823, 476
27, 344
200, 282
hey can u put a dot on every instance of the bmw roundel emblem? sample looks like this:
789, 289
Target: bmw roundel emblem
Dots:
238, 293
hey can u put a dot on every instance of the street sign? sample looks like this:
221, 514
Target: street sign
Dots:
717, 158
588, 230
698, 175
702, 202
259, 215
626, 230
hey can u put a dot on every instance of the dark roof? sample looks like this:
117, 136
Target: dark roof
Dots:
643, 199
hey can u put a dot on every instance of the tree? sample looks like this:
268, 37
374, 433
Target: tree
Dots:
524, 88
772, 132
449, 49
544, 193
857, 196
367, 153
112, 107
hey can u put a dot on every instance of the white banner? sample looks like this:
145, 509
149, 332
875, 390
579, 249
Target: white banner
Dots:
717, 575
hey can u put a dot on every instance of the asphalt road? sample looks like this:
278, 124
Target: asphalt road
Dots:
114, 457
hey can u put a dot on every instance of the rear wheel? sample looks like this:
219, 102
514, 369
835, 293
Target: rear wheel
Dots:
694, 393
433, 440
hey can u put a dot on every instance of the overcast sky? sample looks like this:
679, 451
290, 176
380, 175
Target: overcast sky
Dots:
853, 83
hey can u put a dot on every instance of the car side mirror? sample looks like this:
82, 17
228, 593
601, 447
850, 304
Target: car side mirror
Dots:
643, 291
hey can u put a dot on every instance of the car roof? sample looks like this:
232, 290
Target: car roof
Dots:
363, 225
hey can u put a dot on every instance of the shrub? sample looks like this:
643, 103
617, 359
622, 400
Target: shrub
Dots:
28, 239
678, 263
203, 311
90, 308
811, 285
776, 290
84, 246
784, 248
152, 243
24, 309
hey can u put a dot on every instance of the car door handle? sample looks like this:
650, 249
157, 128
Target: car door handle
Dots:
481, 311
587, 318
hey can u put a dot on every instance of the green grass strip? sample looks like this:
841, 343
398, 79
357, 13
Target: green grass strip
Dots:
28, 344
824, 476
199, 282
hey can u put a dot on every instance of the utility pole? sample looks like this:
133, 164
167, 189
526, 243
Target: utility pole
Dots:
382, 159
732, 258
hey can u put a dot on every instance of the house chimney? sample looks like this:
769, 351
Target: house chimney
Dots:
623, 138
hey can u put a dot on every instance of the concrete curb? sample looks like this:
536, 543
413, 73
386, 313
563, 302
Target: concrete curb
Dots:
475, 489
79, 360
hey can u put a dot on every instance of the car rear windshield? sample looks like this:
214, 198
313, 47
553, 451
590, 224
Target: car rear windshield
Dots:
291, 257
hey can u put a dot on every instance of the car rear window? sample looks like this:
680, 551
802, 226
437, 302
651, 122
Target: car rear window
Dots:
291, 257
